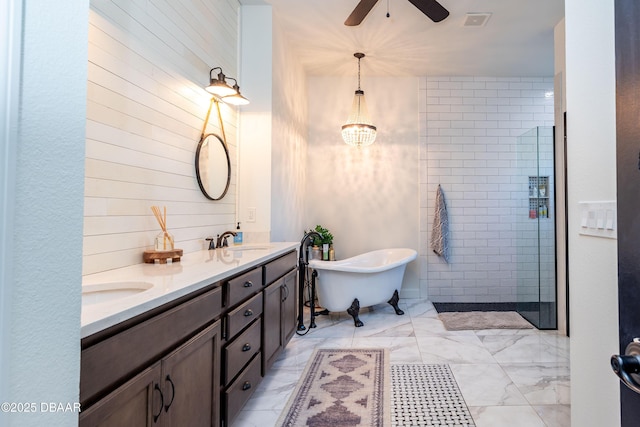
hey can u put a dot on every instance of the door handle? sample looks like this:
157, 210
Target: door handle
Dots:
627, 366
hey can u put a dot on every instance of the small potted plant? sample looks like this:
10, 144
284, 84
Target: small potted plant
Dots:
326, 240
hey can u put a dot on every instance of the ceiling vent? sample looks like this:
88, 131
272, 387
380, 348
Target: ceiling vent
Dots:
476, 19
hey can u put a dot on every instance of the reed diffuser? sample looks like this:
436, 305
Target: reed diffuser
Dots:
164, 240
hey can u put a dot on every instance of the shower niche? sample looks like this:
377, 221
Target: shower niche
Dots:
538, 197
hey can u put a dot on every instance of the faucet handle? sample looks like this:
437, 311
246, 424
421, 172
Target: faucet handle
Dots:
224, 242
212, 243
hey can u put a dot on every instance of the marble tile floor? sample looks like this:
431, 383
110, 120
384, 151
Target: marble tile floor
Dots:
515, 378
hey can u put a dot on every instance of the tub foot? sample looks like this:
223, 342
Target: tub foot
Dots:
353, 311
394, 303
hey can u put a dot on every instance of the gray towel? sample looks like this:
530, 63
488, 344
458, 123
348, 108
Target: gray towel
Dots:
440, 231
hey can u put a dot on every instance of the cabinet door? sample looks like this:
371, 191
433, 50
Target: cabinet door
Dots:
272, 335
137, 403
191, 381
289, 297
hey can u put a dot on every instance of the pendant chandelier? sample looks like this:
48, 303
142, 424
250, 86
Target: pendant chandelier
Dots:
359, 131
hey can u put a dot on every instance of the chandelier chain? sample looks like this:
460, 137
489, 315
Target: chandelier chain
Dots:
359, 73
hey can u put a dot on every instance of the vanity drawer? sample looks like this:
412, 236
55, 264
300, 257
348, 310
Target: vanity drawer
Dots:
240, 351
111, 361
279, 267
243, 315
237, 394
244, 285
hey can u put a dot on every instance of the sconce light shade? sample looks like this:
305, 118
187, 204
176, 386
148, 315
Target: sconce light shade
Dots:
237, 98
218, 85
359, 131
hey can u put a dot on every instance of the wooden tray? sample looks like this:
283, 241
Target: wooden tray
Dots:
151, 256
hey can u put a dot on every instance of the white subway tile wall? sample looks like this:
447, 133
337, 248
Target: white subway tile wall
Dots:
471, 143
145, 112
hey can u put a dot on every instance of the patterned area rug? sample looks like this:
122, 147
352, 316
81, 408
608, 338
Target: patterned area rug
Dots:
342, 388
427, 395
475, 320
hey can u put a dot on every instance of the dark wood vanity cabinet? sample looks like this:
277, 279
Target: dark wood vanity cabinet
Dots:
254, 327
180, 389
195, 361
279, 317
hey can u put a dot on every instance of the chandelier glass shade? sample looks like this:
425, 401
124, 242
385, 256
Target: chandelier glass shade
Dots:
359, 131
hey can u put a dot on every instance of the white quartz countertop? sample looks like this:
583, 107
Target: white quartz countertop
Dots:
166, 282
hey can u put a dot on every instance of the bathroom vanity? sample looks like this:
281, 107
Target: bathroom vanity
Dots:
193, 349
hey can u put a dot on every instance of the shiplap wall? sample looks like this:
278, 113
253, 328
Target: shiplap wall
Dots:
148, 63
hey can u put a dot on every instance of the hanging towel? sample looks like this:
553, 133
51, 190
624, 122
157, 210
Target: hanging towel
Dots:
440, 231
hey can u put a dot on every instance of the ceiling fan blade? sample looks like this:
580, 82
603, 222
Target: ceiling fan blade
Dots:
434, 10
360, 12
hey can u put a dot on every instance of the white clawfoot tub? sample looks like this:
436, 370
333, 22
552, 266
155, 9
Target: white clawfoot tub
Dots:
363, 280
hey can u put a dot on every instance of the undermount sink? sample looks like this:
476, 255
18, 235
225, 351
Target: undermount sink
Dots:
248, 247
107, 292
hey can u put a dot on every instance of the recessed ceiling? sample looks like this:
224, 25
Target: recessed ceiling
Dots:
517, 39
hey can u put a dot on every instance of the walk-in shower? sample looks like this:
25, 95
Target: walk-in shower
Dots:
535, 229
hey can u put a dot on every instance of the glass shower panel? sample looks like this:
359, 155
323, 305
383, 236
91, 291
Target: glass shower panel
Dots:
535, 228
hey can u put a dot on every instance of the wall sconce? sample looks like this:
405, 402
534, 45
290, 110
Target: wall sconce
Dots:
359, 131
218, 86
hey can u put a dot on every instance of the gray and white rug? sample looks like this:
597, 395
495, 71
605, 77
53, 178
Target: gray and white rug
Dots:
427, 395
476, 320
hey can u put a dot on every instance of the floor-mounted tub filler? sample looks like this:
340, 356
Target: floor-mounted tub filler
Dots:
362, 281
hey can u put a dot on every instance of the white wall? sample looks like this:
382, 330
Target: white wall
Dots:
289, 143
43, 354
273, 131
469, 131
591, 154
257, 122
10, 61
561, 213
367, 197
145, 112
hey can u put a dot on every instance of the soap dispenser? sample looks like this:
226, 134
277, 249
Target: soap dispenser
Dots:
237, 239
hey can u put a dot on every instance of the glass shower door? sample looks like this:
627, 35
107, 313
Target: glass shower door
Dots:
535, 229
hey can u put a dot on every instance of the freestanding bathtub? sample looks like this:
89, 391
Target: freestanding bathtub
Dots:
362, 281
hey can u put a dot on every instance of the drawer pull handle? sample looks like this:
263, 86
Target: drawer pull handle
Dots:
246, 347
248, 313
248, 284
246, 386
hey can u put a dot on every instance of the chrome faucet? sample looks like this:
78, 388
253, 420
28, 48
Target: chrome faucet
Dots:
222, 239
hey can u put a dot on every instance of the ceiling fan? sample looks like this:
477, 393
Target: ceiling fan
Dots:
434, 11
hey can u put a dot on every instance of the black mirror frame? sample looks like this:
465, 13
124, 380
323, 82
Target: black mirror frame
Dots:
197, 164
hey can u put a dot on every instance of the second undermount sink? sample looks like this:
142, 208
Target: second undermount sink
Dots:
107, 292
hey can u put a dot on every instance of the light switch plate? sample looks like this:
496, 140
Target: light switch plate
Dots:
251, 215
599, 219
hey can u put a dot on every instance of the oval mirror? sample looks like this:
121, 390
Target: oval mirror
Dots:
213, 167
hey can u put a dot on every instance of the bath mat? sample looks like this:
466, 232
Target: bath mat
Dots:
474, 320
342, 388
427, 395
